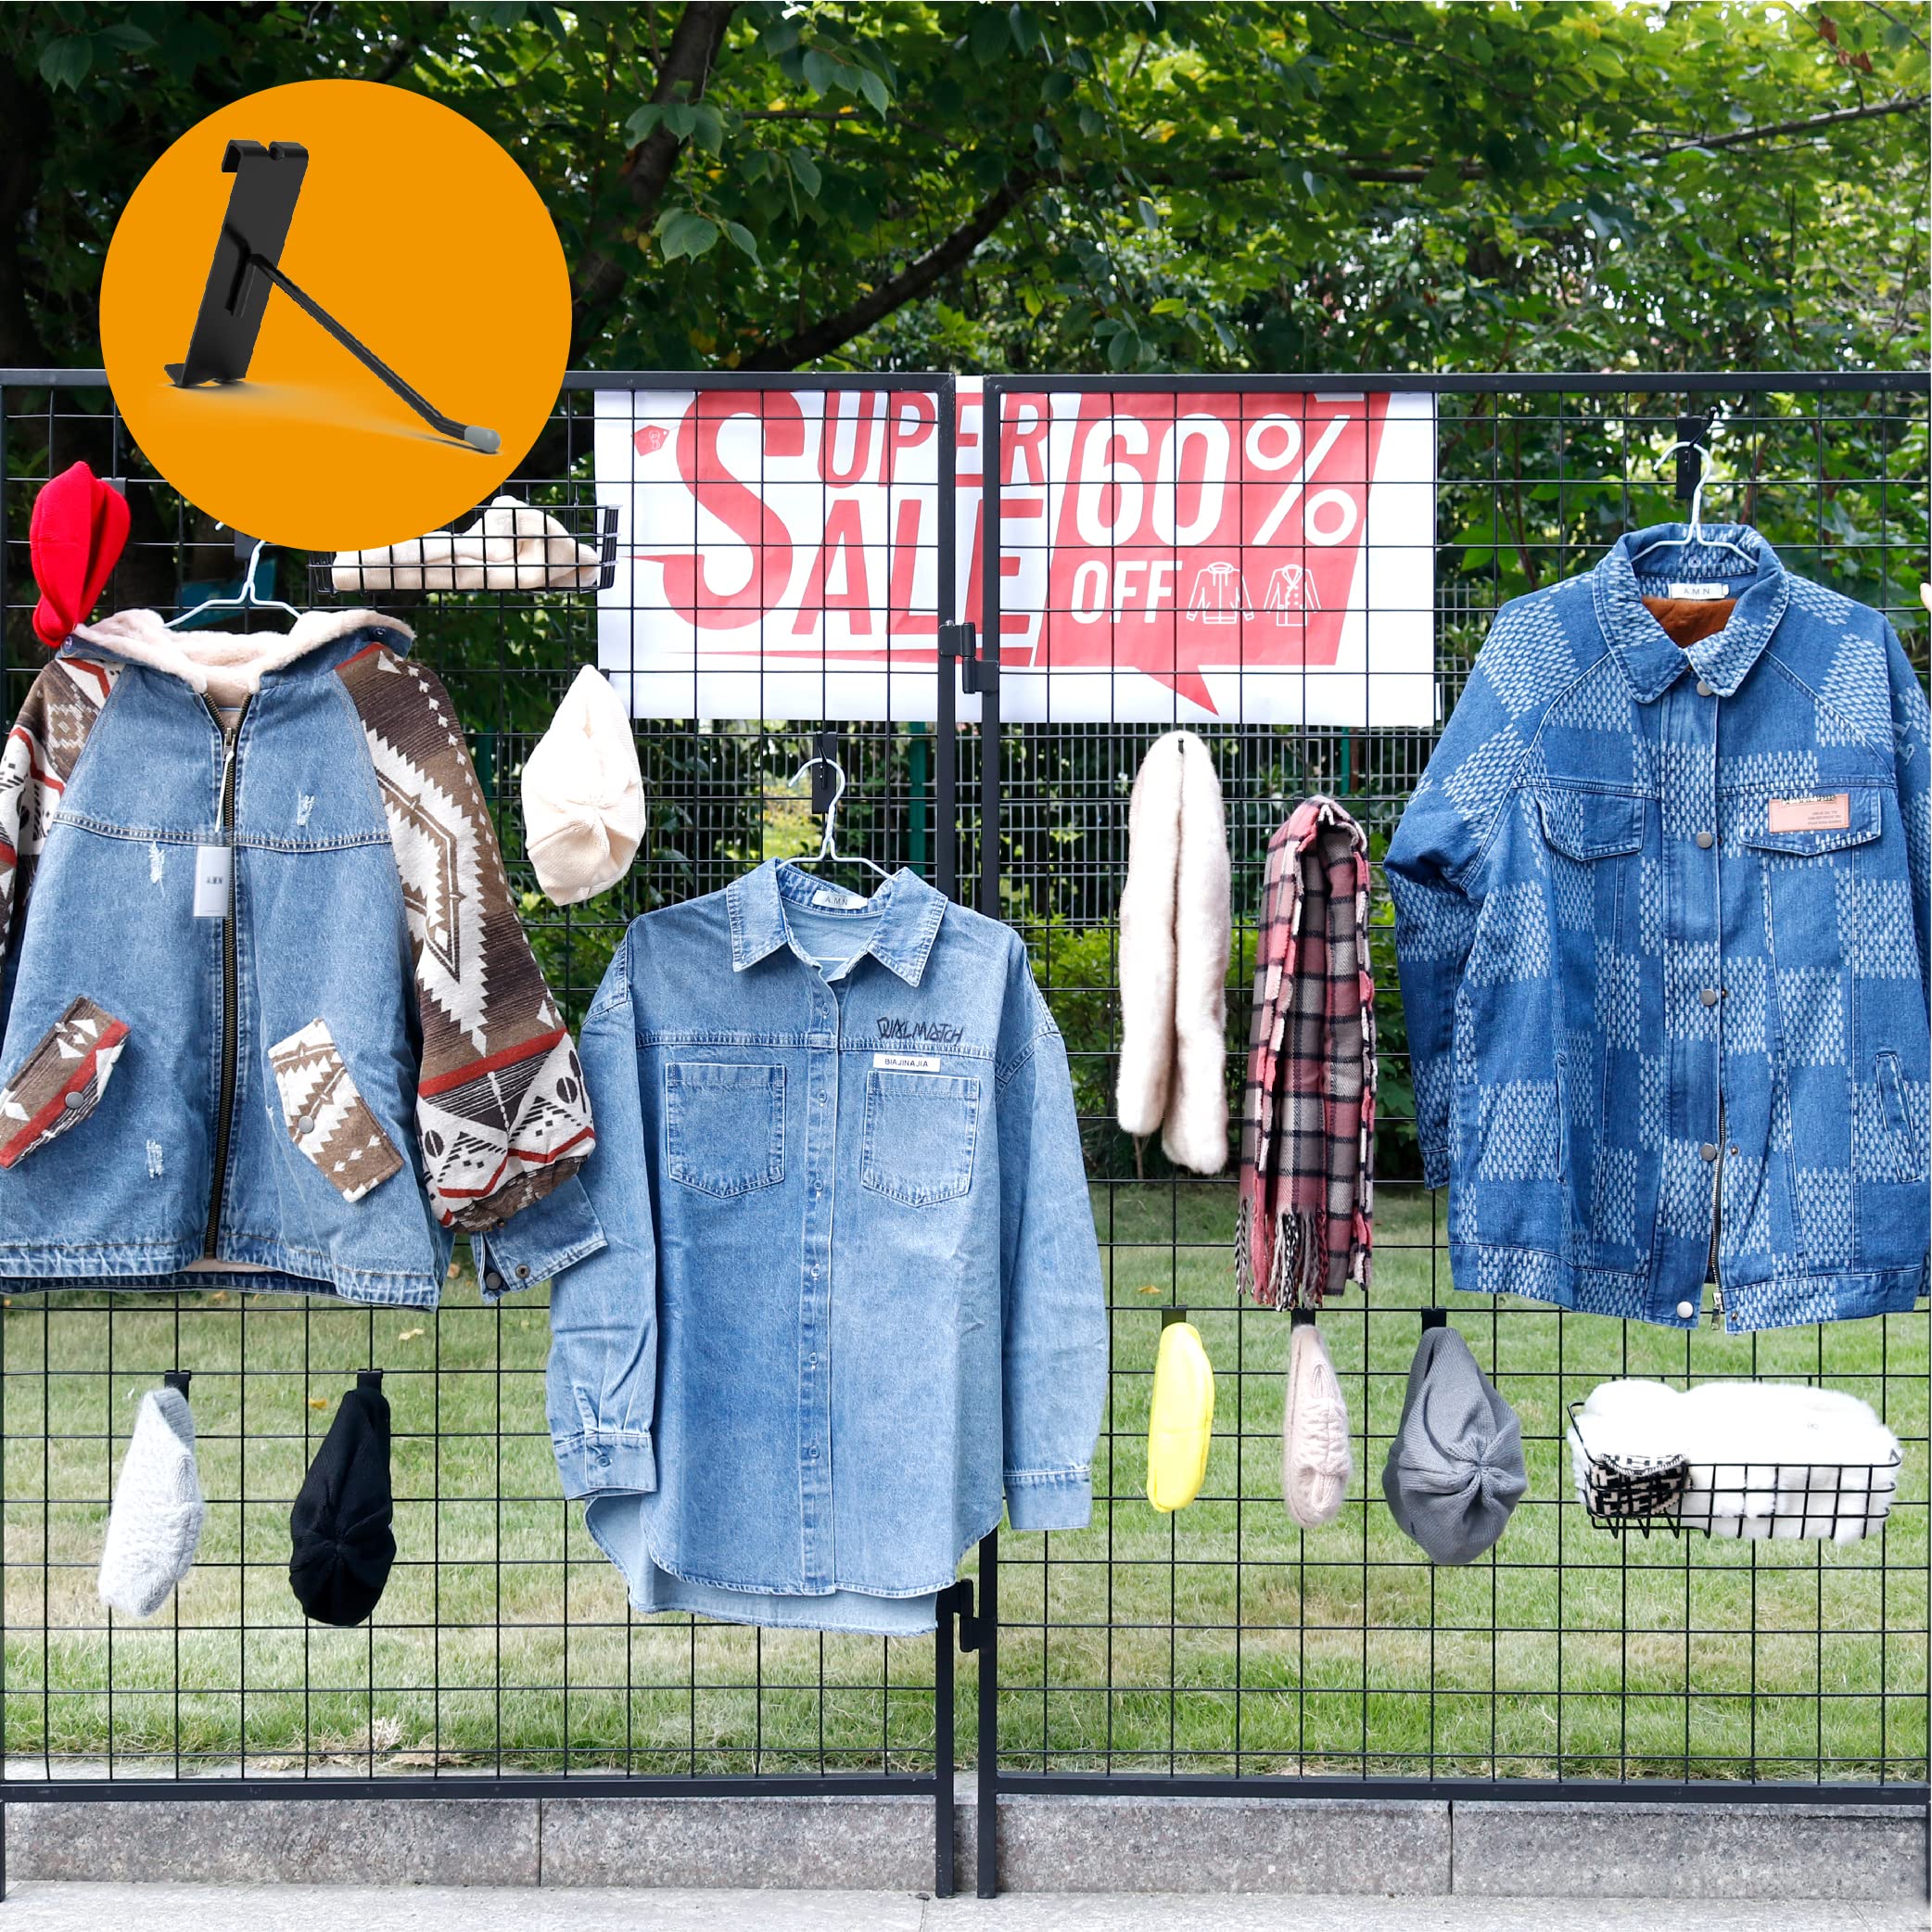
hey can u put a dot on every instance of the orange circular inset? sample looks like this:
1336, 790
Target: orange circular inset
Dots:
422, 237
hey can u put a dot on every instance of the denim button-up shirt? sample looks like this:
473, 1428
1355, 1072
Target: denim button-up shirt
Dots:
1661, 919
851, 1293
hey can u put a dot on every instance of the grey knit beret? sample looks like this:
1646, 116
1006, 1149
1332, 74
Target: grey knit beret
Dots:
1455, 1468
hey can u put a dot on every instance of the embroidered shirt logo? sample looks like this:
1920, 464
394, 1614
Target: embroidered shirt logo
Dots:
1832, 813
932, 1033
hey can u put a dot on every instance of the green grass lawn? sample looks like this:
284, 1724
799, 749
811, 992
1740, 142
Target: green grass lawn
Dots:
503, 1637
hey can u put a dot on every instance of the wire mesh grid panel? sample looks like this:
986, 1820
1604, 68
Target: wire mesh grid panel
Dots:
503, 1645
1223, 1640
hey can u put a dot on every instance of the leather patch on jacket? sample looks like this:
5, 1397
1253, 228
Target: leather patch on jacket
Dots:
1831, 813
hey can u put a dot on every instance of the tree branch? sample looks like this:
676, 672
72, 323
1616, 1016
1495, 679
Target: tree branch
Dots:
681, 75
403, 51
819, 338
1898, 104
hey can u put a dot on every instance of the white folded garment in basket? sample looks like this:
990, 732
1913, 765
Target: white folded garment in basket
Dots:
511, 547
1770, 1460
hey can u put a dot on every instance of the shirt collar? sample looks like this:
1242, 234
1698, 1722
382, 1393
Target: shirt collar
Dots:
899, 922
1646, 563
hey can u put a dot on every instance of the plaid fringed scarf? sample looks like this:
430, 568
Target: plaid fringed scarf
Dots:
1308, 1127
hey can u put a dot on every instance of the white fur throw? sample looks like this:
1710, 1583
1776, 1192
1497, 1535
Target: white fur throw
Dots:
1768, 1460
1174, 931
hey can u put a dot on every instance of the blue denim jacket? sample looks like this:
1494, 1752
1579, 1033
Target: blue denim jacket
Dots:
265, 1002
851, 1292
1661, 919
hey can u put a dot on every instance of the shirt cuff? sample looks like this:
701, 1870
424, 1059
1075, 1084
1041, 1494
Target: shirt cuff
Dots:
1435, 1165
537, 1242
604, 1462
1049, 1499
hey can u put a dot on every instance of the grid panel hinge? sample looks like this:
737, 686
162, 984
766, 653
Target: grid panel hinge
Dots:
977, 674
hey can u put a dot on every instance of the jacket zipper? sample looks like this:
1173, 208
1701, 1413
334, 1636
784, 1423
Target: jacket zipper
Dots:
225, 1110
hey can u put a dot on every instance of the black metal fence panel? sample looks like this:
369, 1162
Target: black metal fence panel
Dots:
1218, 1645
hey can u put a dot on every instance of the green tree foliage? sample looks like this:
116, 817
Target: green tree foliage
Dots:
1553, 183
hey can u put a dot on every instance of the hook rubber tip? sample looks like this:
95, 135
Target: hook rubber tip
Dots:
488, 440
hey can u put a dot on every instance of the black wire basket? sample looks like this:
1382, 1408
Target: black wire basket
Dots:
1783, 1502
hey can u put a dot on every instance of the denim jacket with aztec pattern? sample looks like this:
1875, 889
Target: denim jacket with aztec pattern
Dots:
1661, 921
267, 1003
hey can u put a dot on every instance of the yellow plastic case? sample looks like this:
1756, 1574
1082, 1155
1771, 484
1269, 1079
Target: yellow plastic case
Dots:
1181, 1421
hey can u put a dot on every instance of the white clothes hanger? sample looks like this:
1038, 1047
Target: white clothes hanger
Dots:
1697, 533
244, 599
828, 841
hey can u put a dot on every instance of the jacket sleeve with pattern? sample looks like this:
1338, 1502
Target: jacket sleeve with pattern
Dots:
1912, 756
37, 758
1433, 870
501, 1115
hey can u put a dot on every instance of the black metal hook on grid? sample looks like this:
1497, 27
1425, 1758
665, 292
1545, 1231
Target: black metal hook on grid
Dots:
178, 1379
1693, 454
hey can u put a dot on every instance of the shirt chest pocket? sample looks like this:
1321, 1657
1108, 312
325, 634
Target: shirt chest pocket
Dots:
921, 1132
724, 1125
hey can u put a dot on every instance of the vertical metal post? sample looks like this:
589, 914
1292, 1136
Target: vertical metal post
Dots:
988, 678
986, 1756
946, 747
987, 1845
944, 1747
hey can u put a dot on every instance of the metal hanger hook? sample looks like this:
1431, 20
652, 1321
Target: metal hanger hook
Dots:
828, 844
1697, 502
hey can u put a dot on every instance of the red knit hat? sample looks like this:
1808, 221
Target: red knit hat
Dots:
74, 538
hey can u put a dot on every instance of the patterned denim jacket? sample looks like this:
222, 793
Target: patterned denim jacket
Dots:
852, 1291
1661, 918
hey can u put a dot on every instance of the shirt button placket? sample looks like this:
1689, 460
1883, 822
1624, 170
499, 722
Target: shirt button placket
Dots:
815, 1295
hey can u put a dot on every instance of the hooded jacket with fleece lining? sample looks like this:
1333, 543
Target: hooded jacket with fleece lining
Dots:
267, 1003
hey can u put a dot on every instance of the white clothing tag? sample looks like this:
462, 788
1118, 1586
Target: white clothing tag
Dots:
1700, 593
907, 1062
212, 872
836, 897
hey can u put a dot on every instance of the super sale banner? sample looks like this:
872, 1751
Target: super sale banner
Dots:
1163, 556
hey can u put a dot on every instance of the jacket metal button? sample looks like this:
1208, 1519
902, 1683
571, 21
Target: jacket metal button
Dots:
1709, 996
1707, 1151
1705, 841
493, 1279
306, 1125
1705, 690
73, 1100
523, 1274
1684, 1311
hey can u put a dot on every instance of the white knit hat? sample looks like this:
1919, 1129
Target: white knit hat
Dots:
155, 1520
512, 546
583, 796
1316, 1462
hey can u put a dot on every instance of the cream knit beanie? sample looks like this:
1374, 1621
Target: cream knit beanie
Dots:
512, 546
1316, 1462
583, 796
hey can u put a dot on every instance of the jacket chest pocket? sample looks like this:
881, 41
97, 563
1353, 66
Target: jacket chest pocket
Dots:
1607, 1212
724, 1125
920, 1131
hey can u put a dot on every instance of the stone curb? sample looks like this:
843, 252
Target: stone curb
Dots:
1322, 1846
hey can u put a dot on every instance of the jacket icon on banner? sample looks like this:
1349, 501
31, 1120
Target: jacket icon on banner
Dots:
1291, 593
1662, 917
1220, 594
851, 1296
254, 878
